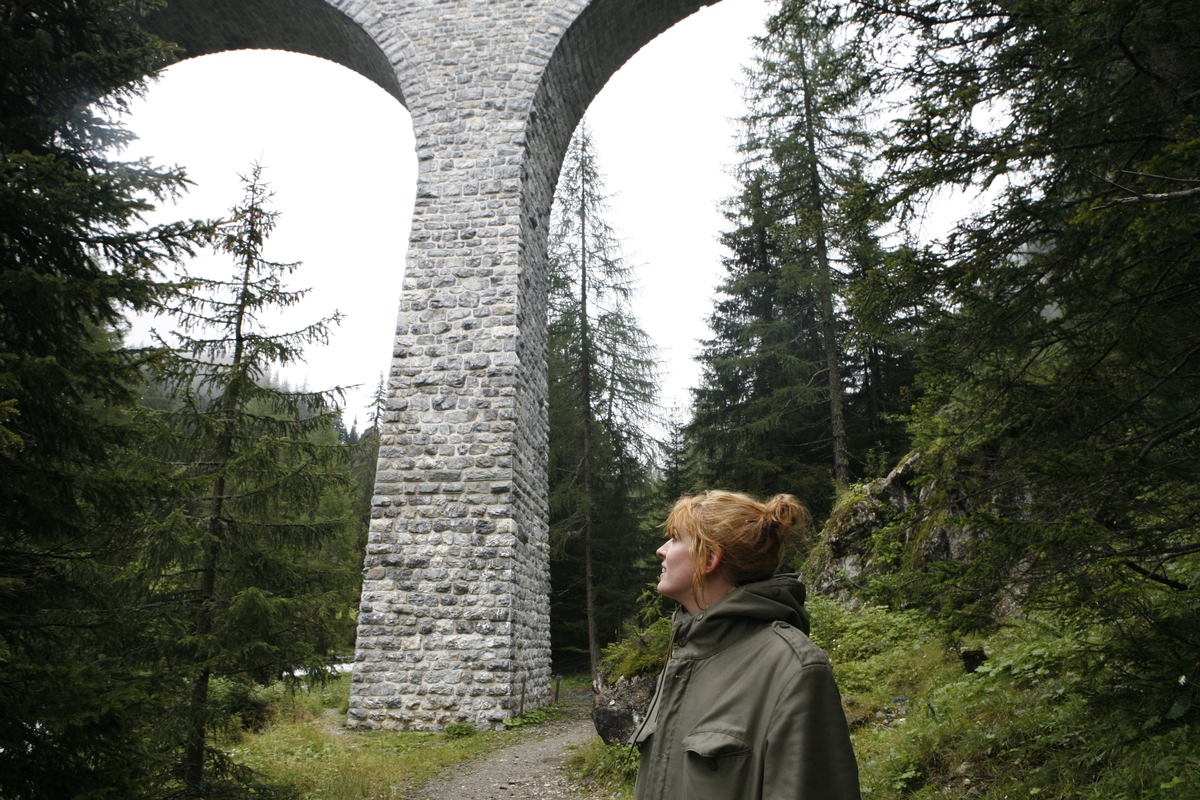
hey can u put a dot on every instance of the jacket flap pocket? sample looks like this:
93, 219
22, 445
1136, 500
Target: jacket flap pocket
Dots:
714, 744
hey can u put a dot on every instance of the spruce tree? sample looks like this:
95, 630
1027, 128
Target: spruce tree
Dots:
677, 476
1061, 382
258, 556
778, 378
756, 421
77, 704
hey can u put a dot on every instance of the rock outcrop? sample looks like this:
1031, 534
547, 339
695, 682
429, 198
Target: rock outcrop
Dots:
619, 709
885, 510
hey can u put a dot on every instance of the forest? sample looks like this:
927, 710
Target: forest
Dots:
959, 318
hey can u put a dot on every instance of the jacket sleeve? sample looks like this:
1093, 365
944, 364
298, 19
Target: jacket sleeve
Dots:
809, 756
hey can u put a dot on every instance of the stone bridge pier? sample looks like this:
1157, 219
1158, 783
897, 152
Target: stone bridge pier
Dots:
454, 623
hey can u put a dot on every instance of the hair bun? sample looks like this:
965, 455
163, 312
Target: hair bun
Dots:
784, 510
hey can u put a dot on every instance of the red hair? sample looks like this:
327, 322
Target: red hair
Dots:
749, 535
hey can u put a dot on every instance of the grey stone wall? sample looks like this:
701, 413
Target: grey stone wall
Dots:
454, 622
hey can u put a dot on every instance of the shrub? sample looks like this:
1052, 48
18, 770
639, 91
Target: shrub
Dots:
642, 653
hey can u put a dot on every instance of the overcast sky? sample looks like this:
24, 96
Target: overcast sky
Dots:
338, 152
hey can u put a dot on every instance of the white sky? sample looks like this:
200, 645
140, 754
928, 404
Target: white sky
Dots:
338, 152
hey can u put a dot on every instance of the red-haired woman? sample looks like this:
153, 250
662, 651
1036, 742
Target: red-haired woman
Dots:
746, 707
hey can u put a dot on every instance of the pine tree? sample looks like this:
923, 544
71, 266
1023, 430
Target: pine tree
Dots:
885, 324
678, 474
808, 84
602, 389
799, 229
1061, 384
257, 555
364, 457
756, 422
77, 706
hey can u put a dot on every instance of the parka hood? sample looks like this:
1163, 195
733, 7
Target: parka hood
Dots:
777, 599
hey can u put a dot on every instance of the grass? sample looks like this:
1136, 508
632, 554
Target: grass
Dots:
1048, 716
611, 769
308, 748
1037, 720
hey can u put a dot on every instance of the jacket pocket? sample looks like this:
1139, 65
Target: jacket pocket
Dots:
718, 765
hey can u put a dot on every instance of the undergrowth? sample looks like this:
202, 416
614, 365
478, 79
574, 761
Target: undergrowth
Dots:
306, 747
1049, 710
1049, 713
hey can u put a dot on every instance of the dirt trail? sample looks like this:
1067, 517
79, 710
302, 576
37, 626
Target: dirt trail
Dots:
531, 767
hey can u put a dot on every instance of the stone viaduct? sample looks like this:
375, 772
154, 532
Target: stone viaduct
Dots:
454, 623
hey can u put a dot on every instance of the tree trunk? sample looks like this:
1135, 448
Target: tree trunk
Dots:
193, 757
585, 389
194, 748
837, 424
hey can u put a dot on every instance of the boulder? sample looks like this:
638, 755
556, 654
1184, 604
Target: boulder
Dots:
619, 709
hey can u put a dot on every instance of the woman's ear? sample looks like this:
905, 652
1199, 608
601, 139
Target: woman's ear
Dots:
714, 561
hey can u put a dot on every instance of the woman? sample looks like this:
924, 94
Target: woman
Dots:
746, 707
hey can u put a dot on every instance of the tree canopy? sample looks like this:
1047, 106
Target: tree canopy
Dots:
602, 394
75, 256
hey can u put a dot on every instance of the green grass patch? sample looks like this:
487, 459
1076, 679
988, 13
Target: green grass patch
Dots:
308, 748
609, 768
324, 763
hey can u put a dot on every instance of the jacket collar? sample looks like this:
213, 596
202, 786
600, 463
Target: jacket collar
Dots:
777, 599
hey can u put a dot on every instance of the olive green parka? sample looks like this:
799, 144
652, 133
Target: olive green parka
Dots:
746, 707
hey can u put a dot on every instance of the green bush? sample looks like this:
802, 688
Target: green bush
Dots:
642, 653
856, 633
243, 704
534, 716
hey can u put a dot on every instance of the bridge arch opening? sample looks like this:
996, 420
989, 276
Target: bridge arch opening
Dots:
338, 153
665, 127
309, 27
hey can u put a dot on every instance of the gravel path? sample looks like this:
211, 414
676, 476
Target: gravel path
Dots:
530, 768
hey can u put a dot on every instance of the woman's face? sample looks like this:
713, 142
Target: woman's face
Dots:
678, 567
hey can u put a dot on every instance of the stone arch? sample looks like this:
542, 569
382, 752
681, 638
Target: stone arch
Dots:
454, 618
311, 27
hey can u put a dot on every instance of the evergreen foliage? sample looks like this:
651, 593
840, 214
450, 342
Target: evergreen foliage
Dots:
602, 392
258, 555
76, 706
159, 565
756, 420
678, 473
1059, 417
788, 359
1050, 343
364, 455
